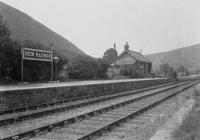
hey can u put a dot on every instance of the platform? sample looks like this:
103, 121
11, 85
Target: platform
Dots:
17, 96
66, 84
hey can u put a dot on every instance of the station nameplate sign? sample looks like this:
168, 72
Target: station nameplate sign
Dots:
35, 54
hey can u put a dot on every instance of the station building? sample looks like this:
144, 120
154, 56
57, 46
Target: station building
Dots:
140, 65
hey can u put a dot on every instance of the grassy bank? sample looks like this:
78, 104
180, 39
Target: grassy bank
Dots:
190, 128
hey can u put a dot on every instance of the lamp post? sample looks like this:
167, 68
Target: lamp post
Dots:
22, 63
142, 69
56, 59
112, 66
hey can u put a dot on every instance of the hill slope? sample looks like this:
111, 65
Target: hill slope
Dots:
23, 27
189, 57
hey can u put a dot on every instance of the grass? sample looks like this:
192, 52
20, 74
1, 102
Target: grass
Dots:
190, 128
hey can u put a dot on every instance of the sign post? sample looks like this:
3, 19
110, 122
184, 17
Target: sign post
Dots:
35, 54
52, 70
22, 66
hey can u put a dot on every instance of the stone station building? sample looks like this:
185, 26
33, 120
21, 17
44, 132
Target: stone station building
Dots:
128, 58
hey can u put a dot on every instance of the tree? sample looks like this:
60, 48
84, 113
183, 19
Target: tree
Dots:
197, 71
102, 69
82, 68
167, 71
110, 56
164, 69
5, 50
4, 30
182, 70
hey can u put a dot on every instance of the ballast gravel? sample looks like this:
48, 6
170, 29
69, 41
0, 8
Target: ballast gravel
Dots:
19, 127
143, 127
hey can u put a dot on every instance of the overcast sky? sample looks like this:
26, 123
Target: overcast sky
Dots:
94, 25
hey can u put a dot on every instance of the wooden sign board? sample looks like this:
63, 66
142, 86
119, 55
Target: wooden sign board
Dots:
35, 54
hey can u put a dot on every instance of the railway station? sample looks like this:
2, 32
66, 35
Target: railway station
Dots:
146, 86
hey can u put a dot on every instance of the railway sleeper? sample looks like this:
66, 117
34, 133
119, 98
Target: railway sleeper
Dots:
80, 118
122, 119
43, 105
15, 138
50, 127
91, 114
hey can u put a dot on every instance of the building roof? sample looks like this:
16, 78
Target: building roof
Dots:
130, 57
138, 56
132, 54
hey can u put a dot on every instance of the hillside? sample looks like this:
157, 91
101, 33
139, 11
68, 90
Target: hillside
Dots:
189, 57
23, 27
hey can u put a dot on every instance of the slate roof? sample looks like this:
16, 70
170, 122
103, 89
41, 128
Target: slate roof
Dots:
138, 56
135, 55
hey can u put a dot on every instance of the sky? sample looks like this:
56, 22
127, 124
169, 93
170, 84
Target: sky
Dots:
94, 25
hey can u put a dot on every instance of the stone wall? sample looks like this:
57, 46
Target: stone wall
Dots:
29, 97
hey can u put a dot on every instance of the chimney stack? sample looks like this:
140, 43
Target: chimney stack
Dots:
141, 51
126, 47
114, 46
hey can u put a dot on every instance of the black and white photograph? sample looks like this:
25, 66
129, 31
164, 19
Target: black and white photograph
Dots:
99, 70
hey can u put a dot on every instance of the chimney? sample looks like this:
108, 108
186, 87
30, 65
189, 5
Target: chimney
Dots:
141, 51
126, 47
114, 46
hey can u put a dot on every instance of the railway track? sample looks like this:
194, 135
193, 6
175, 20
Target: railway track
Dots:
10, 116
102, 111
99, 124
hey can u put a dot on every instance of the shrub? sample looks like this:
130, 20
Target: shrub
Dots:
189, 130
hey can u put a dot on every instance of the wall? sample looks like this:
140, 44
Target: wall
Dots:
28, 97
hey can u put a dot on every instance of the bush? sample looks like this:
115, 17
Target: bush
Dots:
84, 69
189, 130
129, 71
